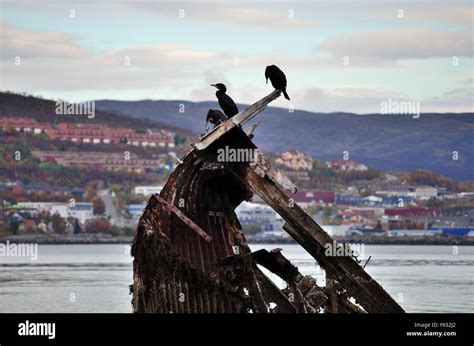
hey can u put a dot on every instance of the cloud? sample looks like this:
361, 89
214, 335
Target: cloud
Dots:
174, 56
106, 71
368, 100
32, 44
455, 100
467, 80
459, 14
52, 61
228, 13
400, 43
204, 91
315, 61
346, 98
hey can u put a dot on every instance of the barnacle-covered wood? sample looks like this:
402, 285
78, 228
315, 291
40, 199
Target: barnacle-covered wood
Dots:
190, 255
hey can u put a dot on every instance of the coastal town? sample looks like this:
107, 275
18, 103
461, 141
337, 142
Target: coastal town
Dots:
349, 199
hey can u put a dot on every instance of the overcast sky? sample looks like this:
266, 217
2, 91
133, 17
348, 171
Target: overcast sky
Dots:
131, 50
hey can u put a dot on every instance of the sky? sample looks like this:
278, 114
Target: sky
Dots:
337, 55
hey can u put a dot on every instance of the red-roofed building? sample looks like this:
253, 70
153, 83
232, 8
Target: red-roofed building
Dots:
90, 133
307, 198
27, 125
415, 212
100, 133
365, 216
417, 217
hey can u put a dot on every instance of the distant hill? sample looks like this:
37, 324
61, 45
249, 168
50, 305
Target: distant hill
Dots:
390, 143
42, 110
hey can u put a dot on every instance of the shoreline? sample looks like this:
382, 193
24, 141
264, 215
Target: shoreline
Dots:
382, 240
56, 239
52, 239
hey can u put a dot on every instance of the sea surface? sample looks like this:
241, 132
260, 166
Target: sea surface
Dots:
96, 278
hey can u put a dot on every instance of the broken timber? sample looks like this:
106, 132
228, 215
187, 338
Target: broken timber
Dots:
190, 254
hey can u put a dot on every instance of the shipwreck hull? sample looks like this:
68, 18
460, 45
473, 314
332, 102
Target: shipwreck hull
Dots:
190, 254
180, 271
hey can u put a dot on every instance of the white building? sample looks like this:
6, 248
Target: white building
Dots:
426, 192
136, 210
35, 205
335, 230
51, 207
81, 210
147, 190
373, 200
58, 208
260, 215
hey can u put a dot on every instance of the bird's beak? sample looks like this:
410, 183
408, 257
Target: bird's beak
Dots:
215, 86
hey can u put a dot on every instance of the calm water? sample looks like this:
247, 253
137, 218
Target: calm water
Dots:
96, 278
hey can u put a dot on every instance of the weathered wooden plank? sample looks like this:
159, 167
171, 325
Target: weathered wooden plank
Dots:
239, 119
277, 264
214, 135
250, 112
281, 266
263, 168
359, 284
185, 219
258, 302
274, 293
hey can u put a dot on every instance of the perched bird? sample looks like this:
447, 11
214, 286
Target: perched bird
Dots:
215, 117
278, 79
227, 104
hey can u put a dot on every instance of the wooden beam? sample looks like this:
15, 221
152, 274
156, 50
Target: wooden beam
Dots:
275, 262
274, 294
239, 119
359, 284
250, 112
185, 219
263, 168
214, 135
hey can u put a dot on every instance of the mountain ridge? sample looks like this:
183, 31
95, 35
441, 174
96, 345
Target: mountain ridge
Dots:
386, 142
391, 143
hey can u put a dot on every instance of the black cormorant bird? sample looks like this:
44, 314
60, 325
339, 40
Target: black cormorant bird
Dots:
227, 104
215, 117
278, 79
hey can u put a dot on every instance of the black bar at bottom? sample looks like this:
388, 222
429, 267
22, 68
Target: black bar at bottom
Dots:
379, 329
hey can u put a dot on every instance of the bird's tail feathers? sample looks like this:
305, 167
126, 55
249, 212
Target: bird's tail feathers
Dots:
285, 94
